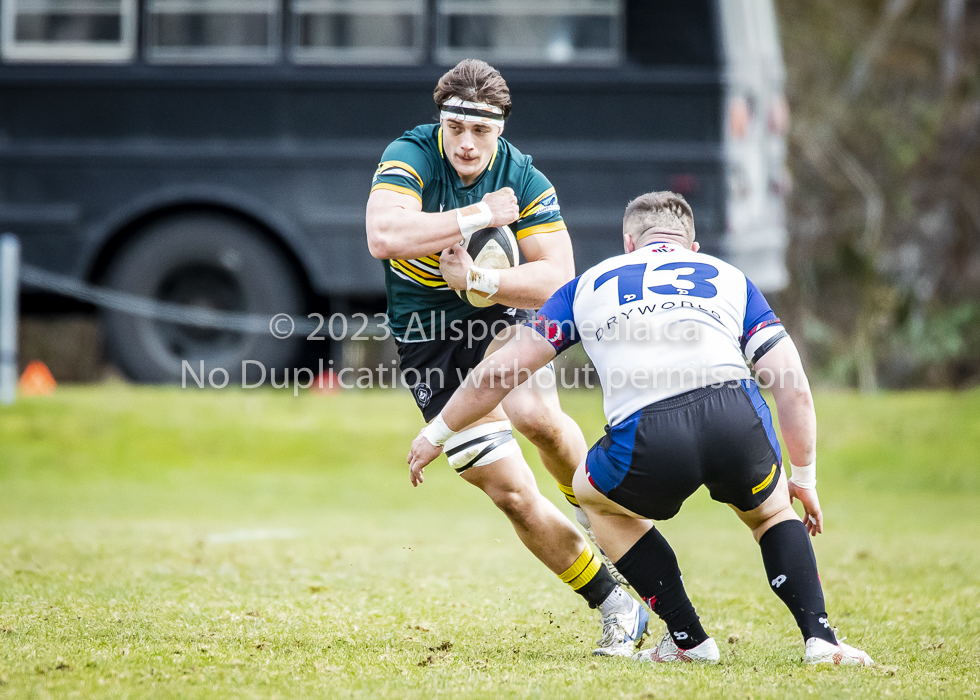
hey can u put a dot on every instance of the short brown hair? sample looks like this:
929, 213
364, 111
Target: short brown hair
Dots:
474, 80
658, 210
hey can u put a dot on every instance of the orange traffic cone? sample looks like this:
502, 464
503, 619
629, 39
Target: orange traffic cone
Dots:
327, 383
37, 380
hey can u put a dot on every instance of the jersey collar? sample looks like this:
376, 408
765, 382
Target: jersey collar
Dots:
662, 247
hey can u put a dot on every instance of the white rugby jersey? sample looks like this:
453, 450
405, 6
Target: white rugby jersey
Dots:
661, 321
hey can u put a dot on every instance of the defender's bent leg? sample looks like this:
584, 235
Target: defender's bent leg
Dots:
790, 563
647, 561
791, 568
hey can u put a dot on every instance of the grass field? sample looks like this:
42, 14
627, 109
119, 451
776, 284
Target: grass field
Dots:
180, 543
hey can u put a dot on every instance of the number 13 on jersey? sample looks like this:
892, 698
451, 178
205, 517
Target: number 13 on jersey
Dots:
689, 279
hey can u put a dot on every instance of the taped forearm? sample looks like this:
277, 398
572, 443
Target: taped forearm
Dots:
528, 286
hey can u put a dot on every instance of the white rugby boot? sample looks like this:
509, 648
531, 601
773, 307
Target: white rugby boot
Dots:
621, 632
667, 651
819, 651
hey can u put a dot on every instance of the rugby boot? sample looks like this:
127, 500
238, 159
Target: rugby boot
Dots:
819, 651
622, 632
667, 651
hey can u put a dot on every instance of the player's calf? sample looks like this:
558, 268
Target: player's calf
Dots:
651, 568
791, 568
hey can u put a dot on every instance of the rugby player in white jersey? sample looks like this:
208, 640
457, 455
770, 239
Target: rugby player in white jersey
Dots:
671, 333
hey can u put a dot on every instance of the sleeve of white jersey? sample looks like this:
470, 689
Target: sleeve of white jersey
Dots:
761, 329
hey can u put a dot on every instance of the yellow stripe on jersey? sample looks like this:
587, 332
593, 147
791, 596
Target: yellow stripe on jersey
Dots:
551, 227
397, 188
765, 481
432, 260
415, 267
389, 164
527, 209
422, 278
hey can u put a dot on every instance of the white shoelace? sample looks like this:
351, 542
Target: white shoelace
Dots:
610, 625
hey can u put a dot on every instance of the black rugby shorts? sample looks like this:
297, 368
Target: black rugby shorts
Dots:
719, 437
434, 369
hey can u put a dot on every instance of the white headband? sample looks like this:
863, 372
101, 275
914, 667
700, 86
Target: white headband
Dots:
461, 110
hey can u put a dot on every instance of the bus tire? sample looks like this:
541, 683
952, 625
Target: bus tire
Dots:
212, 261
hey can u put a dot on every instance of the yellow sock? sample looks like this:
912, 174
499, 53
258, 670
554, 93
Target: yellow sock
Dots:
589, 578
583, 570
569, 494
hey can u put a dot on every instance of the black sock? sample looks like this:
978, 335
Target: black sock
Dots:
598, 588
792, 571
651, 568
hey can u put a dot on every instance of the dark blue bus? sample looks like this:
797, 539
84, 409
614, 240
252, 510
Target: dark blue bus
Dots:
219, 152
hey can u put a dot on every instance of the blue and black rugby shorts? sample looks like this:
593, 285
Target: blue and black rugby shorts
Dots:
720, 437
434, 369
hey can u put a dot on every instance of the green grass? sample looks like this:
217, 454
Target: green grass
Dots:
171, 543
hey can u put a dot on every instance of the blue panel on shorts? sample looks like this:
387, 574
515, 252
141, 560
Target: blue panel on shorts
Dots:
608, 467
762, 410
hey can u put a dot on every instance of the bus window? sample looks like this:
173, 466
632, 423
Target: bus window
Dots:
69, 30
212, 31
366, 32
530, 31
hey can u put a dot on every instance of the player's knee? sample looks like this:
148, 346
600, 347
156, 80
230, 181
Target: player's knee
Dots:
516, 504
542, 428
763, 525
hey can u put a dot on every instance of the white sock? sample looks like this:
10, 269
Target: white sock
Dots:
582, 518
619, 601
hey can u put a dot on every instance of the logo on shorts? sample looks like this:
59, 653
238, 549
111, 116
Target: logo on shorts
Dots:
779, 581
423, 394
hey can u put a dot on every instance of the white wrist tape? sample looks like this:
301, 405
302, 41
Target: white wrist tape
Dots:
437, 432
473, 218
805, 477
482, 280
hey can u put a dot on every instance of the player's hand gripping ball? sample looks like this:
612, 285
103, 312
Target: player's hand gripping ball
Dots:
493, 248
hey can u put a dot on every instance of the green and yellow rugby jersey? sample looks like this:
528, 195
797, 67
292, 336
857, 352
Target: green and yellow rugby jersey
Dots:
416, 165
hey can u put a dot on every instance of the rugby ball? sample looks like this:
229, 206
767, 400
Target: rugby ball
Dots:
493, 249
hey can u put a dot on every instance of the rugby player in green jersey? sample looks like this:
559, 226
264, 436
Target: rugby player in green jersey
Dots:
437, 185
